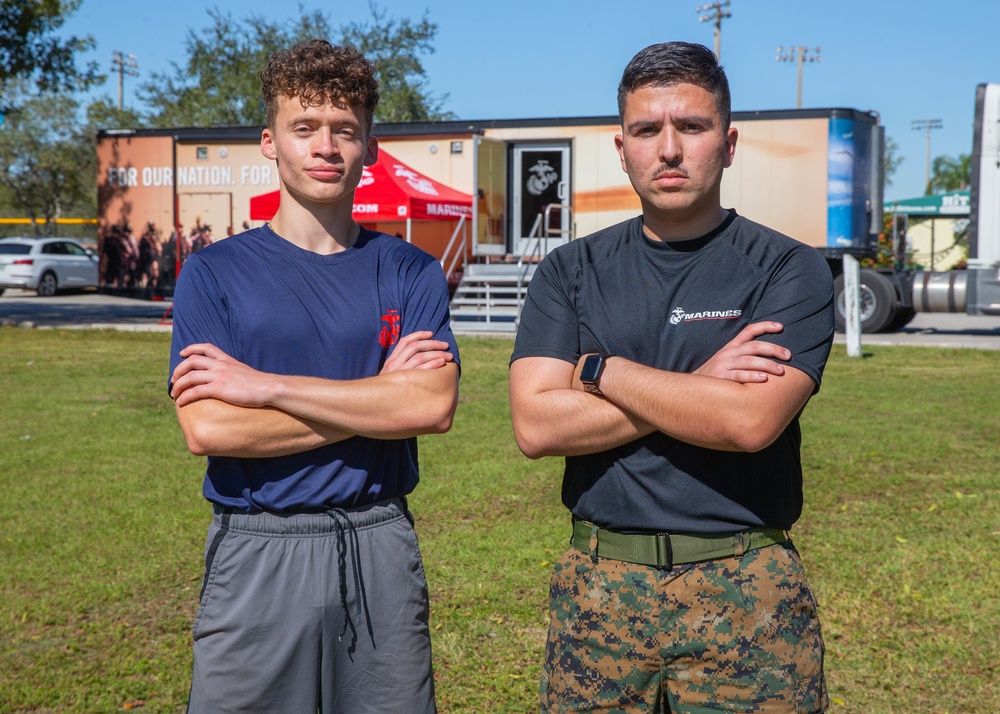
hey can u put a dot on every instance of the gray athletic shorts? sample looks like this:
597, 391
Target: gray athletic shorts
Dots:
313, 612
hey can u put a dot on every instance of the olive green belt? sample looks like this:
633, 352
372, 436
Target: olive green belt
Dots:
664, 550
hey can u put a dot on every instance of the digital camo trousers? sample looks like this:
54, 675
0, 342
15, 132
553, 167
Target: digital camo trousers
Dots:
736, 634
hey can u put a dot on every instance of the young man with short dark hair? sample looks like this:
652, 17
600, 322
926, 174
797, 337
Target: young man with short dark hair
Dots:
307, 356
668, 359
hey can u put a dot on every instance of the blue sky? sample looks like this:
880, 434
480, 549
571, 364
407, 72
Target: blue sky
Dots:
522, 59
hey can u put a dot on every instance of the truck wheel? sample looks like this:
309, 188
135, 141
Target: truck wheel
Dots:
47, 284
878, 302
901, 319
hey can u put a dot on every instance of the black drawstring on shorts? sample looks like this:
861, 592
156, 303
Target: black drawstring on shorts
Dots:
340, 517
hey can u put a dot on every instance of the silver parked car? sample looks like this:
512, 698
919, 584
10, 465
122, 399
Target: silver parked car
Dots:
46, 265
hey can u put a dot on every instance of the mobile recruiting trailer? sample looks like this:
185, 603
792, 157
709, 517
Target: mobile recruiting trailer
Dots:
813, 174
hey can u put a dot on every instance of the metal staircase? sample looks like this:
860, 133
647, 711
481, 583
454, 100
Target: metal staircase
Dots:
489, 296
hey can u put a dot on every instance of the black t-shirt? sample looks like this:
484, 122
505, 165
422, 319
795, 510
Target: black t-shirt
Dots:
672, 305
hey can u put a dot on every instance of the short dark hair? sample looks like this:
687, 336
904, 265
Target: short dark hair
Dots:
318, 72
673, 63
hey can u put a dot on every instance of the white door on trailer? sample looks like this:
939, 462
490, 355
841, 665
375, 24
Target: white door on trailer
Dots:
489, 199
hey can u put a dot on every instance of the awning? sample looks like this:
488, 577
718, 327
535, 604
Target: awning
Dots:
389, 191
953, 203
263, 207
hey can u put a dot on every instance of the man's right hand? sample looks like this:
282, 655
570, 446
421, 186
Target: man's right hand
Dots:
418, 350
746, 359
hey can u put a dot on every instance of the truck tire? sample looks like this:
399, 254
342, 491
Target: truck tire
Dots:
878, 302
901, 319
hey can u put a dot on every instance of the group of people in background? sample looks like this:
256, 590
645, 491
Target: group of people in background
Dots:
148, 262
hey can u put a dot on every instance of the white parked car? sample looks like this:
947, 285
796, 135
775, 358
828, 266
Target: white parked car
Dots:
46, 265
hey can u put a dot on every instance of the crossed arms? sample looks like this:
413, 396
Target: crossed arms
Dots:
741, 399
226, 408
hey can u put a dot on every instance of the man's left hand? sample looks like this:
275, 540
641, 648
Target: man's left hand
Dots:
745, 359
418, 350
209, 373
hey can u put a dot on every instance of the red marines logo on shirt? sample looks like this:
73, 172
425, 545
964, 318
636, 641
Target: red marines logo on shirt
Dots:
389, 334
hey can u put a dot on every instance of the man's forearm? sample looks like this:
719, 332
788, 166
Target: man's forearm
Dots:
705, 411
565, 422
397, 405
215, 428
552, 419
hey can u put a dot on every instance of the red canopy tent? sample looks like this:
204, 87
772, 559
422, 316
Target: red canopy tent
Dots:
389, 191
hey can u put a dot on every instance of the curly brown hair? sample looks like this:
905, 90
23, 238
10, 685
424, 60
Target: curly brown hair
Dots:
318, 72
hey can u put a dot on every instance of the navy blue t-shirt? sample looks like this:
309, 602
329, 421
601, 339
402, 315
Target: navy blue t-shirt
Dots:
285, 310
672, 305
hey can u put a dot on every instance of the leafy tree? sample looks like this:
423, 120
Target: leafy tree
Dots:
890, 160
28, 49
47, 164
394, 47
950, 174
218, 85
105, 114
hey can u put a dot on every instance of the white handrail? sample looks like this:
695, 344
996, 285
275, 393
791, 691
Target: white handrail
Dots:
530, 256
462, 252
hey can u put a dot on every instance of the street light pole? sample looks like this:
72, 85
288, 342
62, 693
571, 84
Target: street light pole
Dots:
927, 125
123, 64
799, 55
716, 12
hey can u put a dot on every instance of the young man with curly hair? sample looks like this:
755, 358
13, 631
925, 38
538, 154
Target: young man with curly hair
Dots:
307, 356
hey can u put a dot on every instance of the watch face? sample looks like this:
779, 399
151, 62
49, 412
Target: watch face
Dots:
591, 369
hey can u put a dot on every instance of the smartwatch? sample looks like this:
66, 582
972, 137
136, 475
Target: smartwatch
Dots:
590, 373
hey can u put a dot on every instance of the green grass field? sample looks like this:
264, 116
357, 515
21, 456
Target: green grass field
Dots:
102, 526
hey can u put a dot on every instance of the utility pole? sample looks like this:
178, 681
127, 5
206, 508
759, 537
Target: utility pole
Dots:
123, 64
927, 125
800, 55
717, 12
